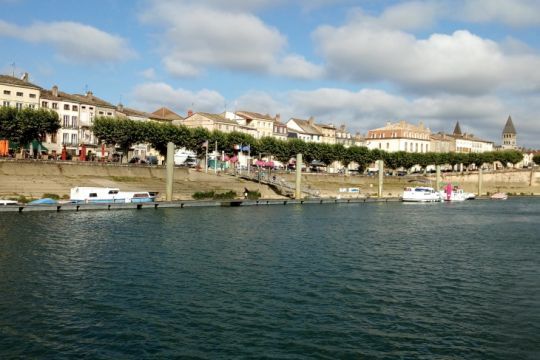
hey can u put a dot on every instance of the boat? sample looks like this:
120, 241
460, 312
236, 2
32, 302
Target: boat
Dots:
499, 196
454, 193
420, 194
104, 195
8, 202
44, 201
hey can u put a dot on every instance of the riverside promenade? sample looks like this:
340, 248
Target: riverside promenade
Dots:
187, 204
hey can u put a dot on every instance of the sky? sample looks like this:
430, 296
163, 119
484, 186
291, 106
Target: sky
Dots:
359, 63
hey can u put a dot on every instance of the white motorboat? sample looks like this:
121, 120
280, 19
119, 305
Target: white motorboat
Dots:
453, 193
100, 195
499, 196
7, 202
420, 194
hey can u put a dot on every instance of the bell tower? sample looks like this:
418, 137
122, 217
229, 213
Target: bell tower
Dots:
509, 135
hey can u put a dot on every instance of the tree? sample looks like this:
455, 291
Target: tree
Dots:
26, 125
536, 159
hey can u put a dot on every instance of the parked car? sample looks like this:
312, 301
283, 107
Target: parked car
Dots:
137, 160
152, 160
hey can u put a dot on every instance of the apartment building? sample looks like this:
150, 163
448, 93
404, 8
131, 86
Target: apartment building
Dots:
400, 136
19, 93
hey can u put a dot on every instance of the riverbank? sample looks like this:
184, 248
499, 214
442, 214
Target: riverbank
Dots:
33, 179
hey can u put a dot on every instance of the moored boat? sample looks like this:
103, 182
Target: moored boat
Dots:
420, 194
4, 202
101, 195
499, 196
454, 193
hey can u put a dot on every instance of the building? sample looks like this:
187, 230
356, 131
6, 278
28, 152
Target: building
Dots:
400, 136
68, 108
166, 114
468, 143
509, 135
442, 143
328, 133
208, 121
304, 130
262, 123
280, 129
19, 93
91, 107
345, 138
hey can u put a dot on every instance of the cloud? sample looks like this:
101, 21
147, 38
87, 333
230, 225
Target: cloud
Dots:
149, 74
201, 36
460, 63
151, 96
517, 13
73, 41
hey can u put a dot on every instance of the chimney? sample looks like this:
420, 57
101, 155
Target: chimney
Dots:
120, 107
54, 91
311, 120
89, 94
190, 113
278, 118
24, 77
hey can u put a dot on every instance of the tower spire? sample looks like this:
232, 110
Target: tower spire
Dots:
457, 129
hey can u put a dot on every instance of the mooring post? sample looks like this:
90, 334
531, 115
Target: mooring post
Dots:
437, 177
480, 176
170, 171
381, 177
298, 192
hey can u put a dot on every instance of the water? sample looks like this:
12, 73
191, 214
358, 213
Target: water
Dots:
382, 281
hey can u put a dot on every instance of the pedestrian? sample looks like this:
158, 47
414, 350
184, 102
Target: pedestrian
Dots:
246, 192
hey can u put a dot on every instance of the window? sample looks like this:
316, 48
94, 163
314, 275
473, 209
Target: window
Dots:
55, 105
90, 108
53, 138
74, 121
109, 113
19, 93
66, 107
5, 103
92, 195
65, 122
65, 139
7, 92
74, 108
31, 106
74, 139
19, 106
44, 104
101, 113
83, 107
32, 96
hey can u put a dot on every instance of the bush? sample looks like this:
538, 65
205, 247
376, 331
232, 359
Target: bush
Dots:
51, 196
254, 195
201, 195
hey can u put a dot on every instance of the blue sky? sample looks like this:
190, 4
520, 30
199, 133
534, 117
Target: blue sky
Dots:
358, 63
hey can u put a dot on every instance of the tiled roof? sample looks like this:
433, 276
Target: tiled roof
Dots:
167, 114
62, 96
509, 127
457, 129
249, 115
10, 80
307, 127
90, 99
132, 112
217, 118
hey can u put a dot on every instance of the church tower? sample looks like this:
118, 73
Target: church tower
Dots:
509, 135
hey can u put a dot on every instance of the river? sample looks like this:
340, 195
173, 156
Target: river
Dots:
379, 280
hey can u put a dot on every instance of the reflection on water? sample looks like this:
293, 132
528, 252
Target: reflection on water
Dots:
313, 281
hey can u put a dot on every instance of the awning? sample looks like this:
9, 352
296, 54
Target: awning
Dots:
34, 145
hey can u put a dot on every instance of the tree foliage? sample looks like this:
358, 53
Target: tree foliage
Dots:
26, 125
125, 133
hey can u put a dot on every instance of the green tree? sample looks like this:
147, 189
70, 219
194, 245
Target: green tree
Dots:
536, 159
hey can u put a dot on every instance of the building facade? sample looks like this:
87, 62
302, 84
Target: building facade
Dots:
304, 130
400, 136
19, 93
509, 135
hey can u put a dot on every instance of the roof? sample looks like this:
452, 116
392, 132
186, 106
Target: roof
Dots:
307, 127
11, 80
90, 99
457, 129
131, 112
253, 115
217, 118
62, 96
509, 127
167, 114
326, 126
